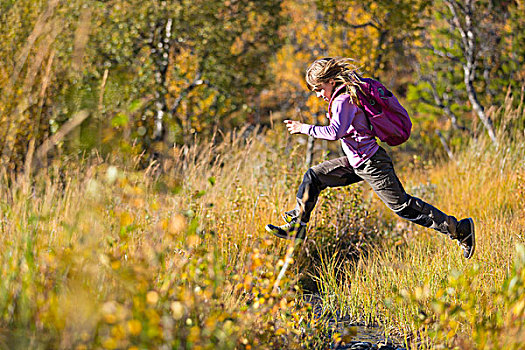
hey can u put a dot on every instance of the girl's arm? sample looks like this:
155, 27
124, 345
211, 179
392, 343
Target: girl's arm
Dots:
343, 114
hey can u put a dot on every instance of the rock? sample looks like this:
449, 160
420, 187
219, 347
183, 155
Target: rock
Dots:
361, 346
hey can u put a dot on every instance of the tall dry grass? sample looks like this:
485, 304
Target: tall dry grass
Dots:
420, 287
98, 254
103, 255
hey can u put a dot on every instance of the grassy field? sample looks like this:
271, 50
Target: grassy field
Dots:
97, 254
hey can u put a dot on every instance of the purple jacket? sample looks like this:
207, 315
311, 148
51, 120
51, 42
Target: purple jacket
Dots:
349, 124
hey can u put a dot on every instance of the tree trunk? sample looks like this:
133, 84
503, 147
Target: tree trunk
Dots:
470, 50
309, 151
478, 108
442, 101
445, 145
161, 49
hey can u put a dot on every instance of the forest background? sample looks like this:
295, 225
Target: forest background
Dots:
127, 116
150, 76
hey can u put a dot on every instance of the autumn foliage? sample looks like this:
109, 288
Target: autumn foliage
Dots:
142, 150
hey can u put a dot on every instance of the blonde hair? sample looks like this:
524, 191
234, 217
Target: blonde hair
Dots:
340, 69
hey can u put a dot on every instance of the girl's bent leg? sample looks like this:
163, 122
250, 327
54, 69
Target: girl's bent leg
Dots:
331, 173
379, 172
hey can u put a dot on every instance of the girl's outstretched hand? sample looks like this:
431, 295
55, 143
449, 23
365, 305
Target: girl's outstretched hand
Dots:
294, 127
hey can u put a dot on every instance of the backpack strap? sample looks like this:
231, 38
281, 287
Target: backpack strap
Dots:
336, 93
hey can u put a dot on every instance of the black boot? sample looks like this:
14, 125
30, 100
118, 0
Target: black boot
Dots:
291, 230
466, 237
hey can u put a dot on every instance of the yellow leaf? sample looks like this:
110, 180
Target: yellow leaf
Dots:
152, 297
280, 331
518, 308
125, 219
177, 309
134, 327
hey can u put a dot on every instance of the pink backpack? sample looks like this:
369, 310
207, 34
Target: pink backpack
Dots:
389, 121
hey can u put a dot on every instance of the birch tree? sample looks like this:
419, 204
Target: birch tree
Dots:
466, 61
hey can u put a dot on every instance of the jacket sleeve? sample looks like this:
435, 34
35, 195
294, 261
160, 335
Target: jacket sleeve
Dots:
343, 114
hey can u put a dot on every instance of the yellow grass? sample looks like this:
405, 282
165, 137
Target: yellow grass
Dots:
107, 256
423, 289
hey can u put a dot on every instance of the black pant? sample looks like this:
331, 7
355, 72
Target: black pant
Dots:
379, 172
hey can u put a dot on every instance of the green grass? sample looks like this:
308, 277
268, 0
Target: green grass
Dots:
421, 288
102, 255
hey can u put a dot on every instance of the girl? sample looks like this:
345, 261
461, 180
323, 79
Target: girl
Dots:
335, 80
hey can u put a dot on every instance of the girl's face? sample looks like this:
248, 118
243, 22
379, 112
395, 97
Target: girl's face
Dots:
325, 90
